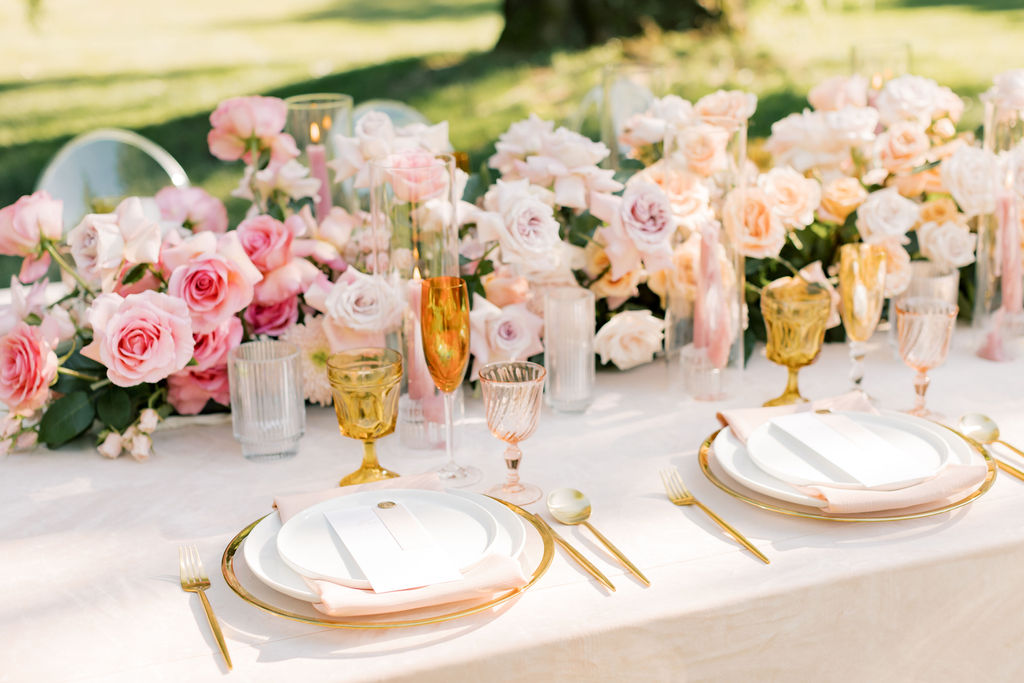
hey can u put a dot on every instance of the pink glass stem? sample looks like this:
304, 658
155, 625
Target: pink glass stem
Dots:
921, 381
513, 456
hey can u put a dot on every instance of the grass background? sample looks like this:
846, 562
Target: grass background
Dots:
161, 68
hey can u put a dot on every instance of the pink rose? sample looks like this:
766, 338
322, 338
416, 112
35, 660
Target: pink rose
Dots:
189, 390
240, 123
417, 176
140, 338
273, 319
509, 333
267, 241
286, 282
211, 348
23, 226
194, 208
28, 365
215, 285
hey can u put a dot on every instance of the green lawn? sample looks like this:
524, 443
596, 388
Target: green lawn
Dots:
160, 68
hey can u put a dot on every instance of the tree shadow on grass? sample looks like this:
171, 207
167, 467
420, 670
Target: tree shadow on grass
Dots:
974, 5
381, 11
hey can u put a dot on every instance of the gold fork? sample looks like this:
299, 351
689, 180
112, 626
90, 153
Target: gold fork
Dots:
195, 580
680, 495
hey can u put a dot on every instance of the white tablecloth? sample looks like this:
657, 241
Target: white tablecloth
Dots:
88, 551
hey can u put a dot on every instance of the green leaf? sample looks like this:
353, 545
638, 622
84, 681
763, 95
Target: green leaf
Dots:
66, 418
114, 408
135, 274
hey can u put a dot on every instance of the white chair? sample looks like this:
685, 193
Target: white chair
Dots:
95, 170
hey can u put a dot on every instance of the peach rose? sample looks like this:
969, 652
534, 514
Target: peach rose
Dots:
942, 210
897, 267
687, 193
617, 291
794, 198
681, 279
726, 108
755, 228
837, 92
903, 146
28, 366
140, 338
909, 185
704, 148
504, 287
841, 197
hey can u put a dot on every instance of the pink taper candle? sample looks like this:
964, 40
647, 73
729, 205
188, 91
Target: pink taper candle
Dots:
711, 310
421, 385
317, 156
1010, 254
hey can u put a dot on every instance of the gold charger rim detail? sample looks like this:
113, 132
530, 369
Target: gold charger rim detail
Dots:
228, 570
794, 510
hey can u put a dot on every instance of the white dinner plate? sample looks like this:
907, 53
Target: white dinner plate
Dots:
921, 453
464, 530
260, 547
733, 457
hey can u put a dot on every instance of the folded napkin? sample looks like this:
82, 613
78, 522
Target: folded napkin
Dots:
951, 480
743, 421
494, 574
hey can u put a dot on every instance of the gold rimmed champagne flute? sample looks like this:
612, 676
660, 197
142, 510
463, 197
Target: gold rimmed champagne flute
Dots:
444, 325
924, 328
512, 396
795, 314
365, 383
861, 296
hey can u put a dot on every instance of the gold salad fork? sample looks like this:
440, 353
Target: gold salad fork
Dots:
680, 495
195, 580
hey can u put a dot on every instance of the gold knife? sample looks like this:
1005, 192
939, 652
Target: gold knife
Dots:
576, 555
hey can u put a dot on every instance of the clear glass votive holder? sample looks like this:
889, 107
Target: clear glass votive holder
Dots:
268, 410
569, 348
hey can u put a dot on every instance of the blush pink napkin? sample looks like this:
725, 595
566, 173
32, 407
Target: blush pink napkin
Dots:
951, 480
495, 573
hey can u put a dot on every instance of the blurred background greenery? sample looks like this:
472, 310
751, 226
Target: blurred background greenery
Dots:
69, 66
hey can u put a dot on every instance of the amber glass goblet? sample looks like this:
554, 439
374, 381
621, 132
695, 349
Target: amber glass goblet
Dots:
861, 296
365, 383
795, 314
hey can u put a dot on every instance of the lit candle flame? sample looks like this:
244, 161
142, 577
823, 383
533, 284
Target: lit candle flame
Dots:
416, 273
314, 132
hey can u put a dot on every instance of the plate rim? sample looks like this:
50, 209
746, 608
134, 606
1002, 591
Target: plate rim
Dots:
705, 451
364, 583
228, 571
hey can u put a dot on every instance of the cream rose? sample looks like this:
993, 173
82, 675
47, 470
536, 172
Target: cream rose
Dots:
604, 287
687, 193
897, 267
676, 286
838, 92
903, 146
886, 214
726, 108
756, 230
840, 198
909, 98
703, 146
629, 339
970, 175
794, 198
948, 244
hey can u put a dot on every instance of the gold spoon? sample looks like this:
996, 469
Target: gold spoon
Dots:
984, 429
570, 506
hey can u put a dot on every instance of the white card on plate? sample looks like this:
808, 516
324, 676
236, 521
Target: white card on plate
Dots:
392, 547
853, 448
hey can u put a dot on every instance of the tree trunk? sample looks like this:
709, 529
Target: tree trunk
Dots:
546, 24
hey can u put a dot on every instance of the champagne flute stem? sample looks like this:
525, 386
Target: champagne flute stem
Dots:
449, 431
513, 456
921, 382
857, 353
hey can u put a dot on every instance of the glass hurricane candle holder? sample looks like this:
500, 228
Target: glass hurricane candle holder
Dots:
313, 120
795, 314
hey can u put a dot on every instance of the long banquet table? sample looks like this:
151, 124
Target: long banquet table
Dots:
88, 550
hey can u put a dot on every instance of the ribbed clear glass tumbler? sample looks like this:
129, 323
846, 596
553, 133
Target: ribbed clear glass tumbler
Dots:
569, 348
268, 411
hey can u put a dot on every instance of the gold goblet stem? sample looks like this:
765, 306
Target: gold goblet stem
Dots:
369, 470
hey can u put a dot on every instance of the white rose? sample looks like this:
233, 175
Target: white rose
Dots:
886, 214
851, 126
1015, 163
111, 446
141, 447
524, 226
948, 244
794, 198
629, 339
1008, 91
909, 98
497, 334
148, 420
970, 175
97, 246
803, 141
141, 233
838, 92
364, 302
522, 139
375, 133
642, 129
726, 108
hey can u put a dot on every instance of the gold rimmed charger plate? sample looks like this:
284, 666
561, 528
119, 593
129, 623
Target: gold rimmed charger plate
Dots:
705, 455
280, 607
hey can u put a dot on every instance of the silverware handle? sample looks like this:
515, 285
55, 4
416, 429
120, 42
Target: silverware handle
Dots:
216, 628
1009, 469
732, 532
1012, 448
618, 553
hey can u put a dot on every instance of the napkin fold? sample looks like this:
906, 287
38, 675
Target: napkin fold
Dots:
743, 421
951, 480
494, 574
